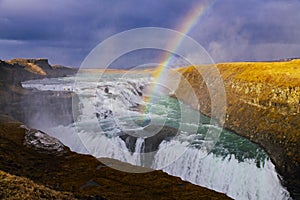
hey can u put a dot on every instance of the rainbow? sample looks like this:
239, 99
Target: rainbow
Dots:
188, 24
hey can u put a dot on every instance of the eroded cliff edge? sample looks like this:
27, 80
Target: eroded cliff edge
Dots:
263, 105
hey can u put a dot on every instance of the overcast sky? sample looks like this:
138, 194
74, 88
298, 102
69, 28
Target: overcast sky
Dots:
65, 31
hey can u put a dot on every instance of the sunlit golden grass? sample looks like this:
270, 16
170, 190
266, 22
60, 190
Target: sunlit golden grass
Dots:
278, 73
275, 73
28, 66
14, 187
35, 69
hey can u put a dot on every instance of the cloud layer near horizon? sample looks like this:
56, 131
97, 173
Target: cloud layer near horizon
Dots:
66, 31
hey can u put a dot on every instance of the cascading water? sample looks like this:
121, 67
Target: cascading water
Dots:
110, 124
240, 180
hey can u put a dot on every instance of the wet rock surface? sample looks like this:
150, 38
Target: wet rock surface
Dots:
153, 136
42, 142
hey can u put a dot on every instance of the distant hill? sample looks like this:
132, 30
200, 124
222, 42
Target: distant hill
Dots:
17, 101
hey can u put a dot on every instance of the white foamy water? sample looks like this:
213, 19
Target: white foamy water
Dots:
239, 180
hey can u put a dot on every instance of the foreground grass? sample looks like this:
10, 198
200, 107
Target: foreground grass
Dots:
14, 187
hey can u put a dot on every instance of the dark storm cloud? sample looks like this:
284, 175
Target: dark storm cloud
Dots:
65, 31
75, 26
74, 18
251, 30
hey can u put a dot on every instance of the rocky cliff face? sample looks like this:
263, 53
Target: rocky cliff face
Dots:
29, 105
17, 70
263, 104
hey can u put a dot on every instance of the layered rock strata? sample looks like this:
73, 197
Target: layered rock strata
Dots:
263, 105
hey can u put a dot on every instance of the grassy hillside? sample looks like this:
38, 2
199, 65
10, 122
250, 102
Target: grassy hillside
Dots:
15, 187
275, 73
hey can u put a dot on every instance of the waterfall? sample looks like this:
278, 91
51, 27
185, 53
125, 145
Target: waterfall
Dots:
239, 180
111, 111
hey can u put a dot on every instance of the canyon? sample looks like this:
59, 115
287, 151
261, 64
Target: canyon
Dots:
40, 166
262, 104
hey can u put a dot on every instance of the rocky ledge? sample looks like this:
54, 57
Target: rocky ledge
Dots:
263, 105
